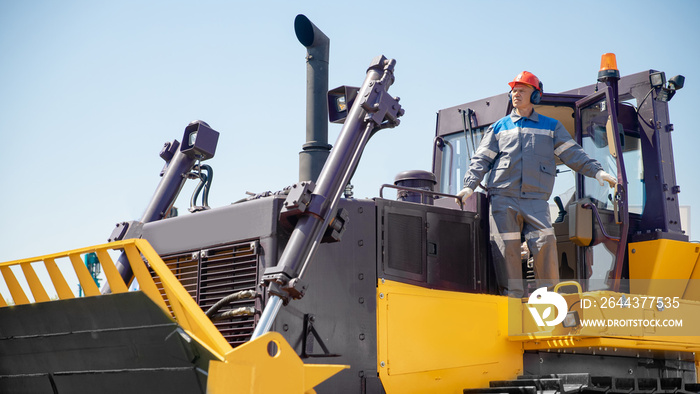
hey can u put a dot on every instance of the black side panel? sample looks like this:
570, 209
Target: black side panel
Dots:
338, 311
407, 244
434, 247
217, 226
404, 241
452, 239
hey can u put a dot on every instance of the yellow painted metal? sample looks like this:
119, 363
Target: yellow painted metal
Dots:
86, 282
442, 341
116, 283
188, 314
63, 291
439, 341
612, 345
34, 284
624, 339
633, 309
185, 310
692, 291
13, 285
266, 365
144, 277
568, 283
665, 259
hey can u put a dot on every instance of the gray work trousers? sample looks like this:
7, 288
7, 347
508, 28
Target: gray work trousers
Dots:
509, 217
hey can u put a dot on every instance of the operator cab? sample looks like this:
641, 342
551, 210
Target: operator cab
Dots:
642, 206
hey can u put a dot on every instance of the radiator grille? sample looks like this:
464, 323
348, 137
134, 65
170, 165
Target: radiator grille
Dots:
211, 274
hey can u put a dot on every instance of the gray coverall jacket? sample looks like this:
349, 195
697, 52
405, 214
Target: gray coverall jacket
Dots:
520, 153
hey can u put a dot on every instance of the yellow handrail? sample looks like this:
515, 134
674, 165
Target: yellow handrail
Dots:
141, 256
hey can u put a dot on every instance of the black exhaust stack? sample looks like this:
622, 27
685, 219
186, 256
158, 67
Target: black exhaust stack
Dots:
316, 149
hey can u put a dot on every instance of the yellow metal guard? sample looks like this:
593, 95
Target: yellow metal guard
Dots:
255, 367
665, 267
442, 341
141, 256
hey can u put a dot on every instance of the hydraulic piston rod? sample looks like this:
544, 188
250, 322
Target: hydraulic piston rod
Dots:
199, 143
374, 109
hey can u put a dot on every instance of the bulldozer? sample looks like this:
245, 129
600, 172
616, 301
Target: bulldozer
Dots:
309, 289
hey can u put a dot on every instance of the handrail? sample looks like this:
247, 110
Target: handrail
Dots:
438, 139
600, 222
421, 191
144, 262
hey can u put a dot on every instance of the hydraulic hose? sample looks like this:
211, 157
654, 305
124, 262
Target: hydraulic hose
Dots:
241, 295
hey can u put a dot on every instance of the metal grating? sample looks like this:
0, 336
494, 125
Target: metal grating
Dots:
212, 274
226, 270
405, 242
185, 267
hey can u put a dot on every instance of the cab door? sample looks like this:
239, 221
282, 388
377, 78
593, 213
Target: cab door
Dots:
599, 133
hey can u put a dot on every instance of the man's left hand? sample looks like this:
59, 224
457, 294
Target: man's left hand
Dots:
603, 177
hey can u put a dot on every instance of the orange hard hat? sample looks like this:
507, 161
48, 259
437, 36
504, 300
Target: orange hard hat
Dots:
528, 78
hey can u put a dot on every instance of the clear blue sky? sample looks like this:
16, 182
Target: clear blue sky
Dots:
90, 91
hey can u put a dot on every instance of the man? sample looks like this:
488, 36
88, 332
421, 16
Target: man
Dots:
520, 151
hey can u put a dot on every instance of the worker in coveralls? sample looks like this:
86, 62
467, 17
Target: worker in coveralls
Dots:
520, 151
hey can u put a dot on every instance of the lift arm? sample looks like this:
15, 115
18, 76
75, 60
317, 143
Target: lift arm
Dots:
373, 110
198, 144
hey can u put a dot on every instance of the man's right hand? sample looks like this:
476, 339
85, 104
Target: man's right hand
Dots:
603, 177
464, 194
